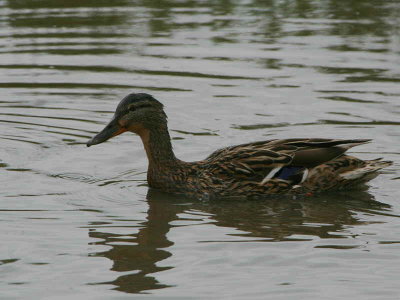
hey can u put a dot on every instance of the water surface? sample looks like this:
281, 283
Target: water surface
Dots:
80, 222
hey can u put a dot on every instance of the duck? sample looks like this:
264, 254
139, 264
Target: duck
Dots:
293, 166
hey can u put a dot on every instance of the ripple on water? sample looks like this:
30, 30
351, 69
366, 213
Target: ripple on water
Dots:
228, 72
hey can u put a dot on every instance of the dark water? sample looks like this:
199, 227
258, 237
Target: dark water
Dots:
78, 222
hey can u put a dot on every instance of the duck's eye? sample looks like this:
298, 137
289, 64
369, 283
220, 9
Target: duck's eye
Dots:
138, 106
143, 105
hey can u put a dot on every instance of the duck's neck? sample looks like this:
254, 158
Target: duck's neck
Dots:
157, 144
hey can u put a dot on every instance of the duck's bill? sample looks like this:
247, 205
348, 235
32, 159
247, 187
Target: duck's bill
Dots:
111, 130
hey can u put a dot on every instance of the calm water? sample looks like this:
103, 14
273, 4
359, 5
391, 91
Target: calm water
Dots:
79, 223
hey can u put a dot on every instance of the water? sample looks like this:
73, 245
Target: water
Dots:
79, 222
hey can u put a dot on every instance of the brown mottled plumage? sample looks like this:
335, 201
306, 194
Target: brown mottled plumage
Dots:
289, 166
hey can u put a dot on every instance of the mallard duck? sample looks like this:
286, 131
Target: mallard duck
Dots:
278, 166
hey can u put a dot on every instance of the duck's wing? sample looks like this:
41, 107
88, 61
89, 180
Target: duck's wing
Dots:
313, 152
265, 158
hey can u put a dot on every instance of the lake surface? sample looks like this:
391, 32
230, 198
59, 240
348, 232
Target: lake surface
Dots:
81, 223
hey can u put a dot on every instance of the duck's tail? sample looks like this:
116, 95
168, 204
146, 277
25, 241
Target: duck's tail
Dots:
365, 173
345, 172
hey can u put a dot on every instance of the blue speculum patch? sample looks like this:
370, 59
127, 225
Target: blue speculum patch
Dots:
286, 172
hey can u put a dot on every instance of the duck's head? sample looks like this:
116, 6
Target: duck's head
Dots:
137, 113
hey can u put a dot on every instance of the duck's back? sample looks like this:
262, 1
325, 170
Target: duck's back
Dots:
286, 166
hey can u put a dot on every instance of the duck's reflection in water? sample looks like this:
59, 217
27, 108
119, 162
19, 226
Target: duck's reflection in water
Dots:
270, 220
